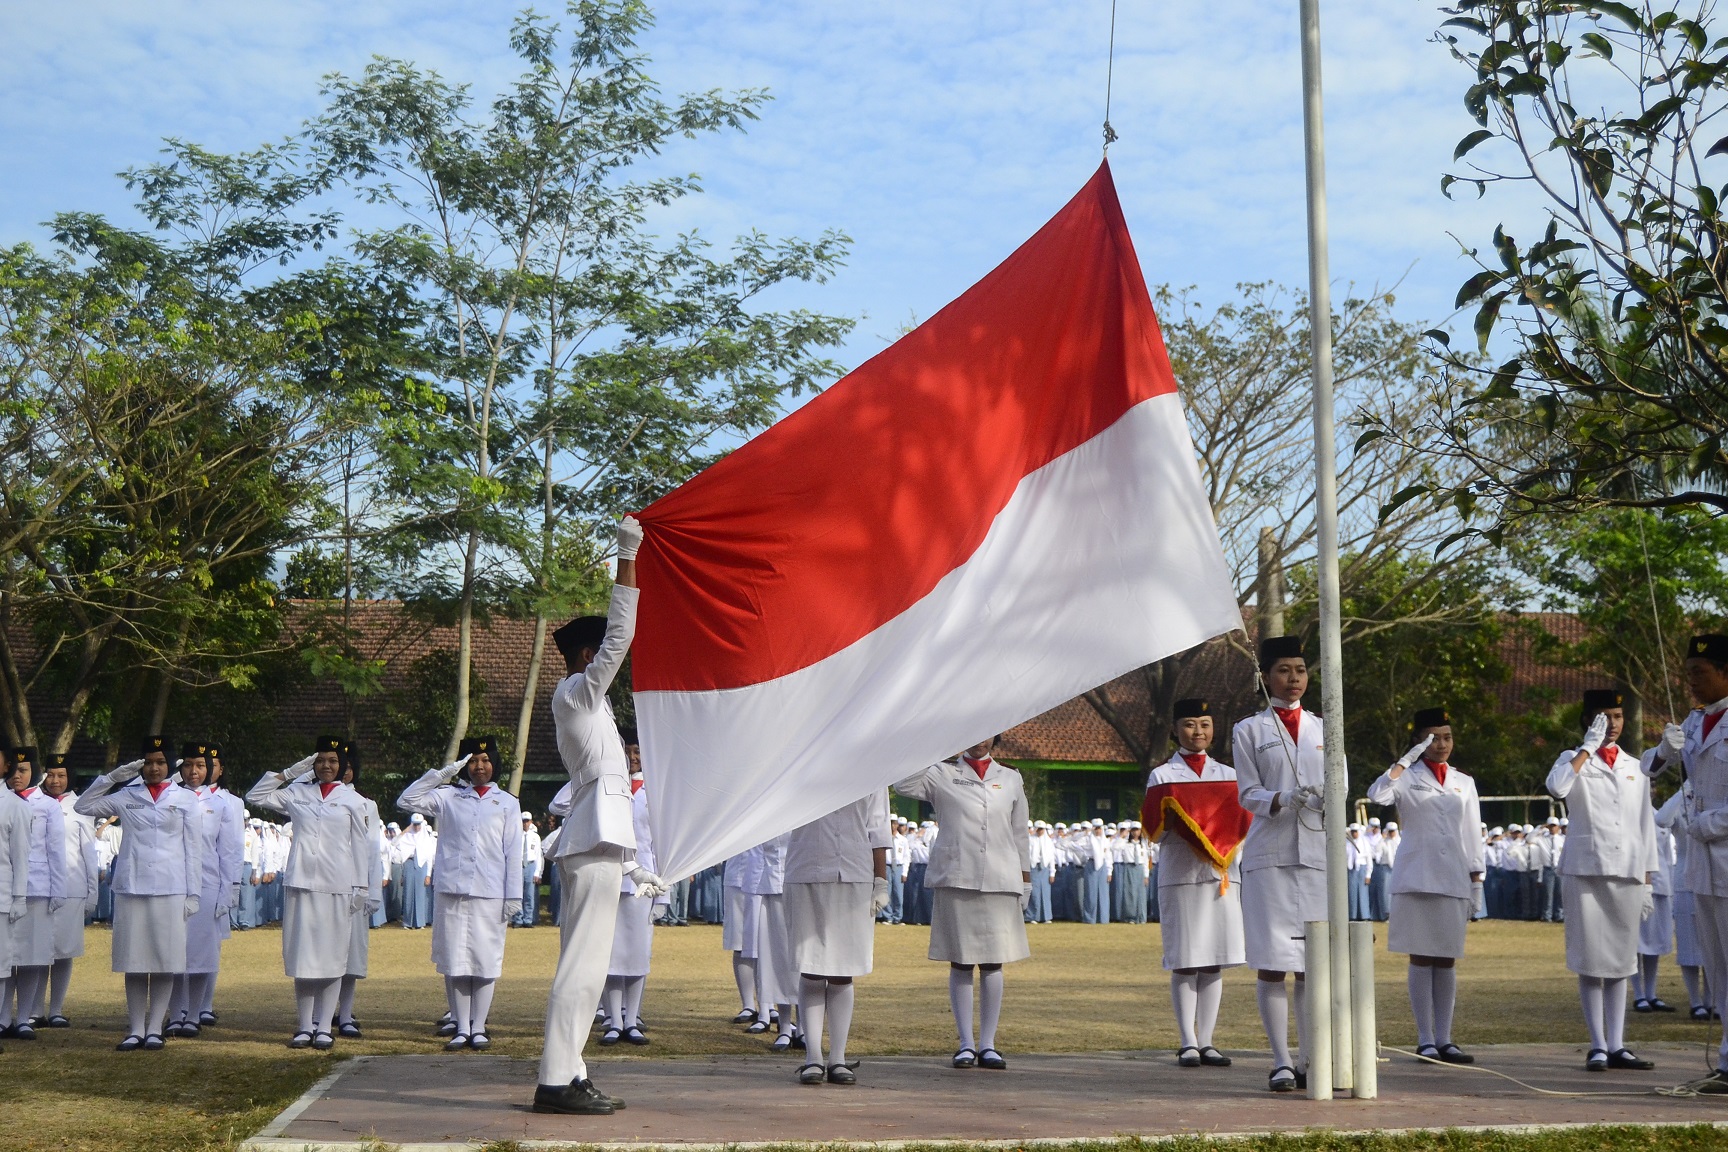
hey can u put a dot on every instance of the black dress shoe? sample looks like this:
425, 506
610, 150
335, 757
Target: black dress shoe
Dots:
1623, 1058
1657, 1004
580, 1098
1213, 1058
1452, 1054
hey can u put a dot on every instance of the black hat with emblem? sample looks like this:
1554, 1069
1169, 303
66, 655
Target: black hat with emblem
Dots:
1190, 707
1429, 718
1710, 646
1276, 648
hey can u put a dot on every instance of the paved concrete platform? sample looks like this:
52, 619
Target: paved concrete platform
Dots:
437, 1100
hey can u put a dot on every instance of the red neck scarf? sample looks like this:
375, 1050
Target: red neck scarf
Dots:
1196, 761
1710, 719
27, 793
1609, 753
156, 790
1292, 718
979, 766
328, 788
482, 789
635, 785
1439, 771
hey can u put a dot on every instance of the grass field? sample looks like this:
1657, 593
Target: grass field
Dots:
1086, 988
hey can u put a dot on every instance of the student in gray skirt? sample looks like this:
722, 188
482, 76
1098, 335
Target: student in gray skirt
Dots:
981, 874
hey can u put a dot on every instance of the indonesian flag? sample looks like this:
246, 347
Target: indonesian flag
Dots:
1208, 814
995, 514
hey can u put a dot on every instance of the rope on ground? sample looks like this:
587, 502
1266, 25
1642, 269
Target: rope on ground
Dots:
1679, 1091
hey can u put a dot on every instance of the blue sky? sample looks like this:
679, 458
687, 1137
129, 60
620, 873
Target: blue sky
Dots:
938, 134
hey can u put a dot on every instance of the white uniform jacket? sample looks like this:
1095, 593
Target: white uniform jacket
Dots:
159, 842
982, 845
14, 851
1706, 812
1181, 864
590, 746
1672, 817
532, 855
644, 845
1041, 851
330, 850
47, 846
1267, 763
841, 846
1613, 830
222, 843
768, 877
479, 836
1440, 829
83, 861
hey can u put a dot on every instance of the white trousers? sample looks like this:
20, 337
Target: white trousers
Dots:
588, 918
1711, 916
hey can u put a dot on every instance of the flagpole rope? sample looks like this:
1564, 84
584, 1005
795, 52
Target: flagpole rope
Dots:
1109, 79
1655, 617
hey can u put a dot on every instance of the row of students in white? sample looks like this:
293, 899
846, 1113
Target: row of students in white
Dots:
48, 877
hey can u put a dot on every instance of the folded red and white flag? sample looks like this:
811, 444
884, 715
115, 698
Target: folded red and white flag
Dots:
995, 514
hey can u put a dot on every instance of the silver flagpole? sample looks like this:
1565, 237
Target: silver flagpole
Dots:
1326, 505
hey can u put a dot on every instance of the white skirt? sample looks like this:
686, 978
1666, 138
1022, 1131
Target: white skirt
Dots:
149, 934
1686, 949
359, 944
68, 931
733, 938
33, 935
1277, 905
1428, 924
968, 927
776, 968
1202, 927
633, 938
832, 930
316, 931
1602, 925
203, 941
468, 935
1656, 934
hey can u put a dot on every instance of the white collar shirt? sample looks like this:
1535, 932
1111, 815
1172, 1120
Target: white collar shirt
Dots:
1439, 843
1613, 823
981, 842
159, 852
841, 846
1269, 763
330, 850
83, 862
48, 878
589, 744
479, 850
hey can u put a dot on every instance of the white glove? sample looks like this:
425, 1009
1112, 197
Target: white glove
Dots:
19, 907
1649, 904
1312, 799
1673, 740
1475, 897
174, 776
127, 772
357, 900
56, 903
1596, 733
629, 538
1290, 798
299, 768
878, 896
1025, 895
1411, 756
512, 910
190, 908
647, 884
450, 771
373, 904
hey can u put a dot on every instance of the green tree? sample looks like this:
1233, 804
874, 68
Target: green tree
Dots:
571, 367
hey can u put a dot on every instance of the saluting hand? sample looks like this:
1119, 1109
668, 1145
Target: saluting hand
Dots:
1415, 753
1596, 734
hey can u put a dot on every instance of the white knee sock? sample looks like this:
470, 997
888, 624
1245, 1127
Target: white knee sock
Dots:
812, 1008
209, 1004
1275, 1016
786, 1019
27, 982
195, 985
960, 1003
613, 997
1692, 975
1647, 969
1614, 1012
450, 995
482, 1007
329, 991
1590, 994
161, 992
137, 1003
633, 986
177, 999
1421, 984
1445, 1001
989, 1007
345, 1001
1209, 987
462, 991
744, 972
1185, 998
839, 1021
1299, 1000
59, 979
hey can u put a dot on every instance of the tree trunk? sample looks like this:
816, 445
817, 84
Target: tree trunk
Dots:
525, 717
90, 661
1269, 587
14, 703
464, 648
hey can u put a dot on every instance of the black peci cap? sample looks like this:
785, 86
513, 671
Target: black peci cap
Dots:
194, 748
1429, 718
1710, 646
474, 744
1190, 707
1600, 700
1276, 648
582, 632
152, 744
327, 743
